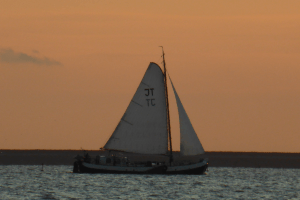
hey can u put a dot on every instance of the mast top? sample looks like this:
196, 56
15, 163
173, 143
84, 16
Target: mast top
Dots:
162, 49
164, 62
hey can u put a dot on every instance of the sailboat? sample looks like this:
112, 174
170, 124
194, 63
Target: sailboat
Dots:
145, 129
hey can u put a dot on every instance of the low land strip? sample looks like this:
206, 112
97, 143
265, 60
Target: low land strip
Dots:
216, 159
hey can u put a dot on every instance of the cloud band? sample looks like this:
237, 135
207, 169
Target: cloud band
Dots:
10, 56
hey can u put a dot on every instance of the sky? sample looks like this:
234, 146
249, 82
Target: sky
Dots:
69, 68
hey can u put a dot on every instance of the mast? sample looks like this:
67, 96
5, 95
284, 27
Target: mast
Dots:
167, 105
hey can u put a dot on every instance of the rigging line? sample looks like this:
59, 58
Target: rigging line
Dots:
159, 60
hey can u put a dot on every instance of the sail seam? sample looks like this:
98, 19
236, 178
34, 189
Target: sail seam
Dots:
127, 122
145, 84
136, 103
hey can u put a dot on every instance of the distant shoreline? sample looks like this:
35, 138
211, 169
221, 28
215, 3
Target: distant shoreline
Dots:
216, 159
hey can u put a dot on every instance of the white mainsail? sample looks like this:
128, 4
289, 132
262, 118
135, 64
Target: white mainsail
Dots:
189, 141
143, 127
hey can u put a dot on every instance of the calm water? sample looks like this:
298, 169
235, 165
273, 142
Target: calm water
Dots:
57, 182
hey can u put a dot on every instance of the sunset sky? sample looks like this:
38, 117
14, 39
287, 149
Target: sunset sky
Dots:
69, 68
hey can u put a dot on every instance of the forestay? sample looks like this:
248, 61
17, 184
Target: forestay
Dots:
189, 141
143, 127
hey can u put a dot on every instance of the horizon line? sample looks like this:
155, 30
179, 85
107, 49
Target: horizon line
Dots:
132, 152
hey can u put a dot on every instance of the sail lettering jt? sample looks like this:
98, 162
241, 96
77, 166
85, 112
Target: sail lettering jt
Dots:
148, 91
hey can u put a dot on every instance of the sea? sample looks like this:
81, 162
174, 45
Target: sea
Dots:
58, 182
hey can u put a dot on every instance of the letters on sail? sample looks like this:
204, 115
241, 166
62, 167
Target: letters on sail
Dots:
189, 141
143, 127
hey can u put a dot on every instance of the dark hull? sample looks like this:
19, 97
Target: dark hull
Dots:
79, 167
